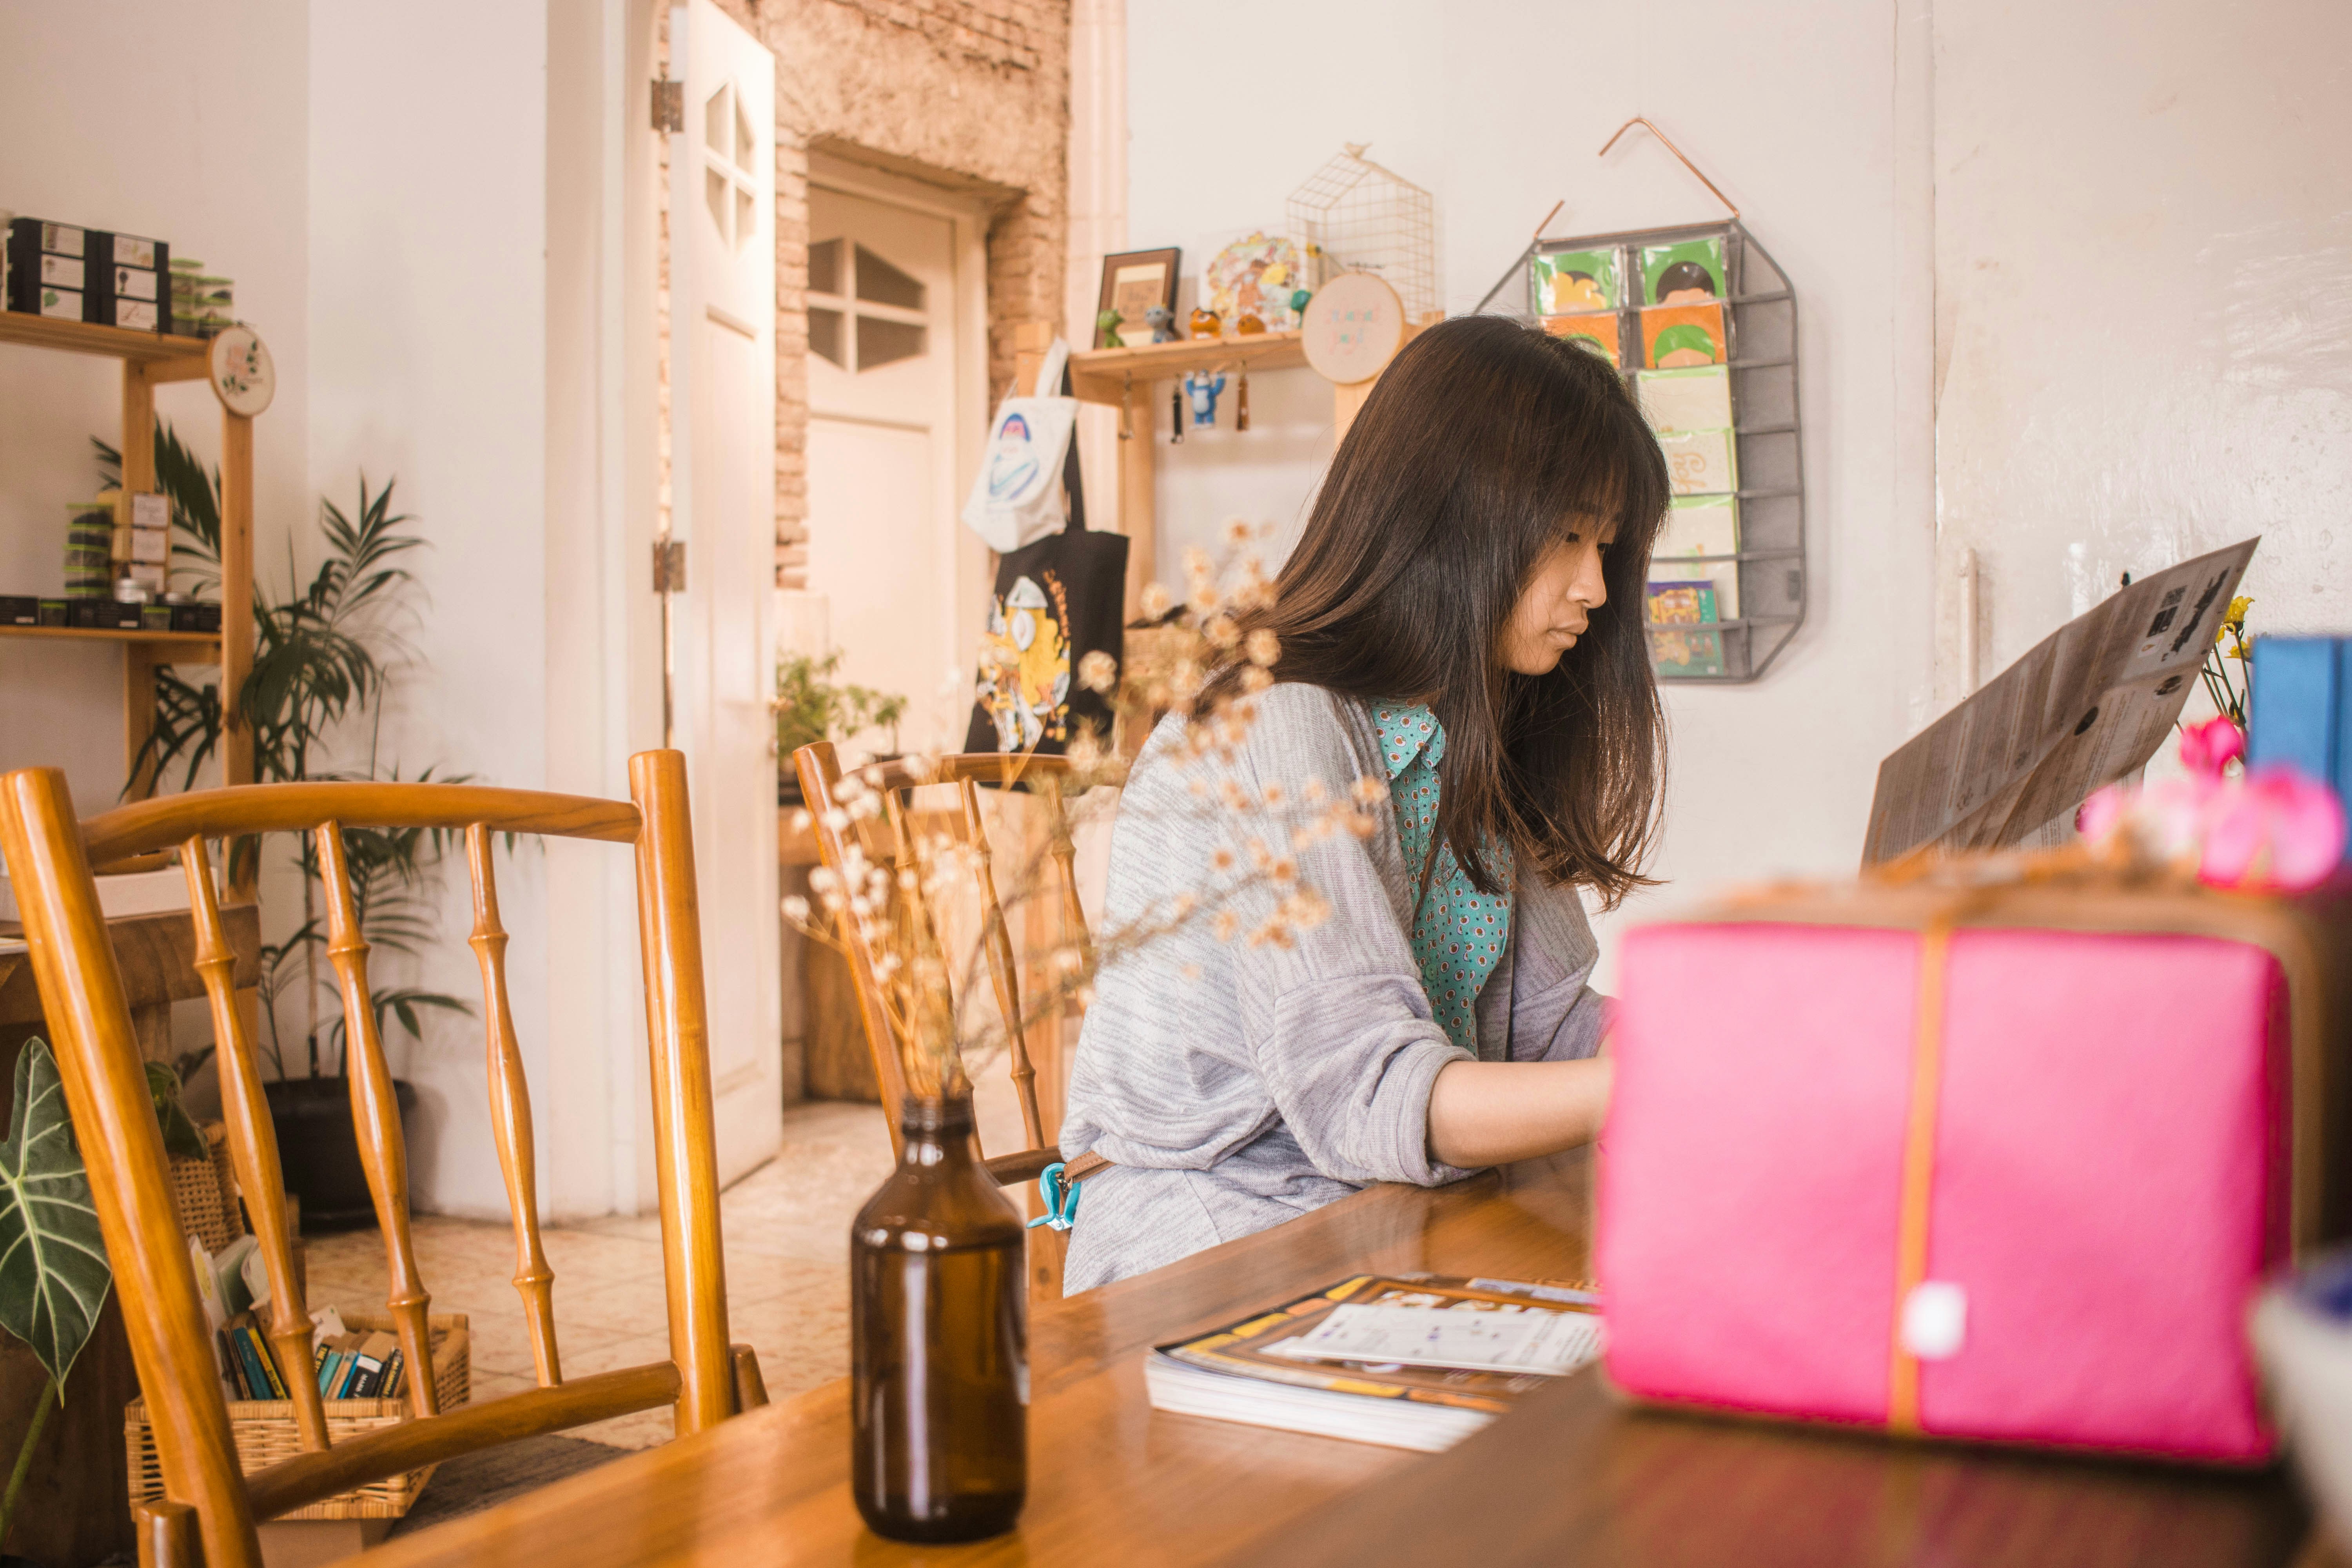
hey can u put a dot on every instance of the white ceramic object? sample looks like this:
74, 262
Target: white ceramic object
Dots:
2303, 1336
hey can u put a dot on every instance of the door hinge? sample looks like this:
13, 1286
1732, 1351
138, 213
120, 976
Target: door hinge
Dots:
669, 106
669, 565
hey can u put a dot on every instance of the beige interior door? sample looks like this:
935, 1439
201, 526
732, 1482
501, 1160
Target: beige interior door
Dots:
882, 455
723, 413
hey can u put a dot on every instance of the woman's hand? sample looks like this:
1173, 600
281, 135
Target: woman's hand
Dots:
1491, 1114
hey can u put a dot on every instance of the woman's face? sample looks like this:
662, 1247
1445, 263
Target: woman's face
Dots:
1557, 603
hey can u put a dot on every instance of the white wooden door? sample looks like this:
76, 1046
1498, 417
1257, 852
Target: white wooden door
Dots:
882, 455
722, 477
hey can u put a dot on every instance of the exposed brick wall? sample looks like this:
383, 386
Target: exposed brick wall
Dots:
977, 93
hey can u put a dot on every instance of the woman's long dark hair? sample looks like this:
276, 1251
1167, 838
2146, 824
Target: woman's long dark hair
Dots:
1484, 443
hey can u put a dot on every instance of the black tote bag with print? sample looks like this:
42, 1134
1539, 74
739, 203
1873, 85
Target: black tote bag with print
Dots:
1056, 601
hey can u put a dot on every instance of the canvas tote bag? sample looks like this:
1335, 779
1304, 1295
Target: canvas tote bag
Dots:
1056, 600
1013, 500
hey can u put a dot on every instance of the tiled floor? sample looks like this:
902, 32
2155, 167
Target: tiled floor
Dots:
787, 1233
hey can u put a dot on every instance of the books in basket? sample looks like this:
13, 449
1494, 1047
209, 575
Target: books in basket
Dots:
1413, 1361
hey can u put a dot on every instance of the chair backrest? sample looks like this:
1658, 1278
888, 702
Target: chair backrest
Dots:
49, 857
885, 840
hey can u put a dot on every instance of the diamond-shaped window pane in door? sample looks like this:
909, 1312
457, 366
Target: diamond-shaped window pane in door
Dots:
747, 217
718, 120
825, 267
747, 141
880, 283
719, 195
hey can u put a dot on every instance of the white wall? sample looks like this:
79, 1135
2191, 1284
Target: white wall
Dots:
427, 307
114, 123
2142, 303
1815, 128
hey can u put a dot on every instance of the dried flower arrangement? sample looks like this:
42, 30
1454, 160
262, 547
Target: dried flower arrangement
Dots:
886, 896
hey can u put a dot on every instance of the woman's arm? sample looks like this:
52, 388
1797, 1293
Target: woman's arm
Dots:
1491, 1114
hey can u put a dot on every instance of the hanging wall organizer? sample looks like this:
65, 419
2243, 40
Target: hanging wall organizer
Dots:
1702, 322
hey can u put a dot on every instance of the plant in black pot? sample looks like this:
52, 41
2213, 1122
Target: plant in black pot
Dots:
324, 654
809, 708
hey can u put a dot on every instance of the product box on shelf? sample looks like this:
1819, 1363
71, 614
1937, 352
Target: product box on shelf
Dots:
55, 612
49, 268
197, 617
2006, 1162
19, 610
104, 615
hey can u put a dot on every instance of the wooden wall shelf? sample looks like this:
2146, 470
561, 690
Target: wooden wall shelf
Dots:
150, 360
172, 640
1126, 378
111, 342
1102, 376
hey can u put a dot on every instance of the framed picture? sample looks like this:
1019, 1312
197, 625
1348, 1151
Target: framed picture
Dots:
1135, 281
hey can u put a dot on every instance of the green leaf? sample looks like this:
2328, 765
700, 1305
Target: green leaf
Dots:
180, 1135
54, 1275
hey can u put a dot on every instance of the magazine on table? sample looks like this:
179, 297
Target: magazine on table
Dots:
1411, 1361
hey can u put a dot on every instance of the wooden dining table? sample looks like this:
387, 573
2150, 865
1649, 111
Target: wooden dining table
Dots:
1575, 1476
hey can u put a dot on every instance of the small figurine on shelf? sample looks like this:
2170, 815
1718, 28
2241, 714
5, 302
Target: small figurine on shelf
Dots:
1249, 327
1207, 323
1163, 323
1107, 329
1203, 390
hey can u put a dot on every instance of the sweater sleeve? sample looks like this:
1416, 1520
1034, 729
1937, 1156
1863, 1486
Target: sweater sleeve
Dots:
1556, 1016
1334, 1016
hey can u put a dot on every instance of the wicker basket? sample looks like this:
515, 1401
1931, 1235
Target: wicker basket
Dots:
265, 1432
204, 1192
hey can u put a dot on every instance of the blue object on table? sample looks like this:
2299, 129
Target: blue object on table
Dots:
2300, 710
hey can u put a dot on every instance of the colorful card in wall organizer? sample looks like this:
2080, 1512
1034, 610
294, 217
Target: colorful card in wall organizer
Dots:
1700, 462
1681, 337
1701, 526
1678, 645
1686, 399
1682, 274
1594, 330
1568, 281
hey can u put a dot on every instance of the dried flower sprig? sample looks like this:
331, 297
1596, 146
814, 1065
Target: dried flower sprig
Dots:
886, 902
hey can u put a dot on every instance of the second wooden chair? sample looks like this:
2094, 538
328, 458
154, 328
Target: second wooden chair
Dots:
209, 1509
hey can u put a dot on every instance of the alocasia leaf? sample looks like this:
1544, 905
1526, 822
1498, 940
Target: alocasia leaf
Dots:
53, 1274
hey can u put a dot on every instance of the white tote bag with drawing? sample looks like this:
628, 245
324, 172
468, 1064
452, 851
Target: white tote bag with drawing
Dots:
1016, 497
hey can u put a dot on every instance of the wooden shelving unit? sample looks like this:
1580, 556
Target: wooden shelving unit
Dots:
150, 360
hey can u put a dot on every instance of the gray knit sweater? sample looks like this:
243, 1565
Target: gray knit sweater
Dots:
1237, 1086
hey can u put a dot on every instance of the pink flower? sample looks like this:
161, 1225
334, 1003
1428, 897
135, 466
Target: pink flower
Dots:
2206, 748
2282, 831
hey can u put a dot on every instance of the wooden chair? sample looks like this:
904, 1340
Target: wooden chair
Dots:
212, 1507
821, 778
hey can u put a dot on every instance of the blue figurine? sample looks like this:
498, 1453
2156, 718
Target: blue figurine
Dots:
1163, 323
1204, 391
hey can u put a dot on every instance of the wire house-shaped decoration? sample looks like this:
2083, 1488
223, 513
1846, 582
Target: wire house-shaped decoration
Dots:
1356, 216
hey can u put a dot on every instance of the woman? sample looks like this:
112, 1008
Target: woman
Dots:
1441, 630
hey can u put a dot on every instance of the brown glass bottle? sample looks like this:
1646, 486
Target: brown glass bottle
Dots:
939, 1342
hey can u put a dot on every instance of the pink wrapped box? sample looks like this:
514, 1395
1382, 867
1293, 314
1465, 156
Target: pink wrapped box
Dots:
2015, 1181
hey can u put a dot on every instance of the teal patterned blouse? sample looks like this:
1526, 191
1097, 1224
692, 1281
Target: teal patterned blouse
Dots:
1458, 933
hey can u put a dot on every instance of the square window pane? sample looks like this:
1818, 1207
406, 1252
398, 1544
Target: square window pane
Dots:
880, 283
824, 335
746, 217
825, 267
718, 118
717, 193
881, 342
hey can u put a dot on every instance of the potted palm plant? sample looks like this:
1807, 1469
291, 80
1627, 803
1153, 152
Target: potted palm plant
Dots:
325, 652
